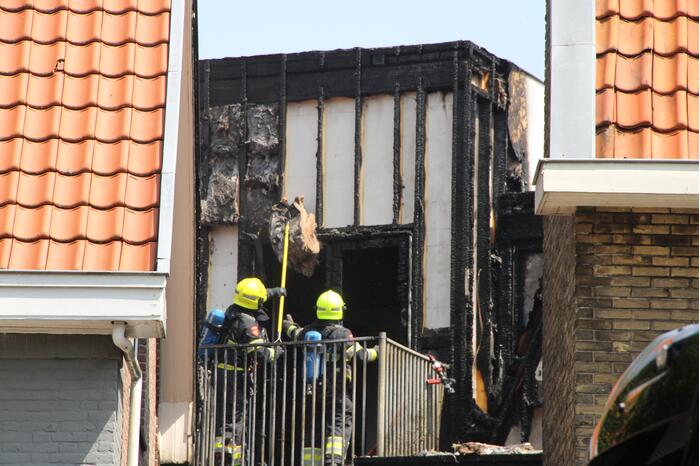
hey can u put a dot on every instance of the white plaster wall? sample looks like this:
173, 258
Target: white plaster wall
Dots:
438, 206
408, 157
223, 266
301, 147
339, 162
535, 124
377, 194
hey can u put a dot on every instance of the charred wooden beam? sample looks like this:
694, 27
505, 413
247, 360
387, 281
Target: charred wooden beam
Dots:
469, 137
358, 140
246, 248
379, 68
397, 154
483, 239
457, 260
418, 216
319, 145
282, 130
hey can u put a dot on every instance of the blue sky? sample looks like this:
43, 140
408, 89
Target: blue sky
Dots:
511, 29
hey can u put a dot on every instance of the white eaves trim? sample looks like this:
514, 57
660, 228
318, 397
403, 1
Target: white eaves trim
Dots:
563, 185
170, 136
78, 302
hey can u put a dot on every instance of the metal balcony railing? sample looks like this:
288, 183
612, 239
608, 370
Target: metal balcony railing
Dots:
314, 403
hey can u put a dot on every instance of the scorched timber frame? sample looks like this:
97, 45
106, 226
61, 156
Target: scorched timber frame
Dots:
479, 83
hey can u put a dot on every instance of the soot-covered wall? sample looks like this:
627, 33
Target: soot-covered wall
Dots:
417, 141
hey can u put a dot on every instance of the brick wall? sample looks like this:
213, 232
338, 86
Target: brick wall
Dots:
59, 400
636, 277
558, 341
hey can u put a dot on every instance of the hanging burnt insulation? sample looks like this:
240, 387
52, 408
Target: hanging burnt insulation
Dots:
219, 186
517, 129
303, 244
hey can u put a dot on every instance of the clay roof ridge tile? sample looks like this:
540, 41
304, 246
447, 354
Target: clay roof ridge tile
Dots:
155, 72
78, 172
647, 50
81, 139
92, 40
637, 127
30, 6
108, 108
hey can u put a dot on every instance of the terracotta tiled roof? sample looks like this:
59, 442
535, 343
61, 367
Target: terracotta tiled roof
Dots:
82, 97
647, 78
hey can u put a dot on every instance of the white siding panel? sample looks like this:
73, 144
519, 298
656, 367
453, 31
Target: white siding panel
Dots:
339, 162
535, 125
223, 266
377, 160
408, 156
438, 205
301, 147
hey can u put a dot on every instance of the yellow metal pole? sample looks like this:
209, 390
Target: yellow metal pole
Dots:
284, 279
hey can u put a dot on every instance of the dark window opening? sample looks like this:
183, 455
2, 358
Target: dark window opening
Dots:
370, 289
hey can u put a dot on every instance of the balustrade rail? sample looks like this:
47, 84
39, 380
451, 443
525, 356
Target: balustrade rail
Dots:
314, 403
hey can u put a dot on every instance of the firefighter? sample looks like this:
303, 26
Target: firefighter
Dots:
338, 430
242, 325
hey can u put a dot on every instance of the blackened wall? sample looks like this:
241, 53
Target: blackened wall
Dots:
460, 164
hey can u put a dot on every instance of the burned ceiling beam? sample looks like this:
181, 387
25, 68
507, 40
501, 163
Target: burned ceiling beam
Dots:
380, 69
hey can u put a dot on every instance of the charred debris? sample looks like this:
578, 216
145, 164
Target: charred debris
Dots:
495, 237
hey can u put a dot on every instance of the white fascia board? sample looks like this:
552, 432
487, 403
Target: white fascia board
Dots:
82, 302
535, 125
564, 185
170, 136
572, 86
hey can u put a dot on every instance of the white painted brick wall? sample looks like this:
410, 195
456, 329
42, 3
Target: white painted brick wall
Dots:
60, 412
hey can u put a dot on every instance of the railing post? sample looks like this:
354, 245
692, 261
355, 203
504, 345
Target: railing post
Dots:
381, 393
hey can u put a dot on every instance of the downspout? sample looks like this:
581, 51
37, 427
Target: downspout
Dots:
123, 343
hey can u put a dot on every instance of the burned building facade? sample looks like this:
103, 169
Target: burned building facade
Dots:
417, 163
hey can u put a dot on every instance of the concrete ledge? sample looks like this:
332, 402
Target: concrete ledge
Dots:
82, 302
533, 459
563, 185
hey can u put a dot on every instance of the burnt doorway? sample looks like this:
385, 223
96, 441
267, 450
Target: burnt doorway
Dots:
373, 275
371, 269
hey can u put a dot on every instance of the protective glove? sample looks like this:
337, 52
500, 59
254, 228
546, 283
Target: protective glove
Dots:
270, 354
276, 292
287, 322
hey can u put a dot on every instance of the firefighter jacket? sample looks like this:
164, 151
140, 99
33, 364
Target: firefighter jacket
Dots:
333, 330
243, 329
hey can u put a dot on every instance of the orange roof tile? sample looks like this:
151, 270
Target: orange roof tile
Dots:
65, 255
28, 254
82, 98
647, 78
5, 248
